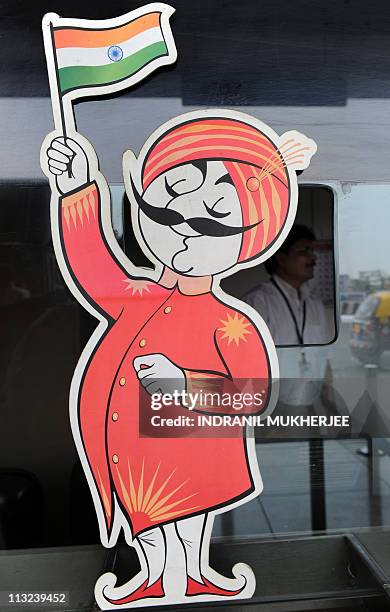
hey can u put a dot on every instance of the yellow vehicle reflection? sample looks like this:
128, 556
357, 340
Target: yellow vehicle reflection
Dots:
370, 335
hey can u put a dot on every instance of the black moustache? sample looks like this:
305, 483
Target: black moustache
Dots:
202, 225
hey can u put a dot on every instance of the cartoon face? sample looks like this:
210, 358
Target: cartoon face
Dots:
190, 217
215, 191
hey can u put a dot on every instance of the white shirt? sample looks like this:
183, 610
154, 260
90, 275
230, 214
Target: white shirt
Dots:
302, 369
269, 303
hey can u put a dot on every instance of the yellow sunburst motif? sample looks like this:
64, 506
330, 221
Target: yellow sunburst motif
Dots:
148, 498
235, 328
137, 286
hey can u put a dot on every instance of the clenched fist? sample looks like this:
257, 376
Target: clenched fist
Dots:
69, 163
158, 374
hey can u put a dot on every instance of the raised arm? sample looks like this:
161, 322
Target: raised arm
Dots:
87, 254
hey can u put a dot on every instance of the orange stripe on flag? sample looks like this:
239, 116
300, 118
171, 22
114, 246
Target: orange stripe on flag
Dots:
79, 37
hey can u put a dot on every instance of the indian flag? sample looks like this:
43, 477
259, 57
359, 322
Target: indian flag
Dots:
123, 54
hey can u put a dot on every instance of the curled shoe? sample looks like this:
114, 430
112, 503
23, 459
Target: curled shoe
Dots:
143, 592
208, 588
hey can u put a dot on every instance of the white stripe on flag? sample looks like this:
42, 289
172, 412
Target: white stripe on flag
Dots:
98, 56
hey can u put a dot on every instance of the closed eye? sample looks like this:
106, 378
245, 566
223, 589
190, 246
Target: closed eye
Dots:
215, 213
200, 165
169, 188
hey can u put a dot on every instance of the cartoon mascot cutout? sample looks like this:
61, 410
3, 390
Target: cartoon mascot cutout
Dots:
211, 192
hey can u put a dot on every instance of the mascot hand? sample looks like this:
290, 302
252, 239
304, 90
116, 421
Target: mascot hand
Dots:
68, 162
157, 374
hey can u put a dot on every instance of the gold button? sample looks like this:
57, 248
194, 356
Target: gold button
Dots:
115, 416
167, 309
142, 342
122, 381
115, 458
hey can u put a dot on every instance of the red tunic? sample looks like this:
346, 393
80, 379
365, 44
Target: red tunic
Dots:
155, 480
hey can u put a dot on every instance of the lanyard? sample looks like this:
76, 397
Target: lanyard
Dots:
284, 296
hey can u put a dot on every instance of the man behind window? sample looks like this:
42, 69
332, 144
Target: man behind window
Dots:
295, 318
291, 313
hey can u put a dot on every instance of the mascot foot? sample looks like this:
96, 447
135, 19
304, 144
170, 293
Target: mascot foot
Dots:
144, 591
208, 588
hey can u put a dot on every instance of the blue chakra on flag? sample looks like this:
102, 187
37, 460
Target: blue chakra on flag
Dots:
115, 53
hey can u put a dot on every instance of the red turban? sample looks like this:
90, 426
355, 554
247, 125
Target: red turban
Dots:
253, 161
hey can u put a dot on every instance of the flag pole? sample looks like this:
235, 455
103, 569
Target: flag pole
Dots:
52, 68
57, 101
58, 97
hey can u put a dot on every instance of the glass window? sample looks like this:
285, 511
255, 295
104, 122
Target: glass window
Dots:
294, 291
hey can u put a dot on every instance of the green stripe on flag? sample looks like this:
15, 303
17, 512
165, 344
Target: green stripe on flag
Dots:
73, 77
